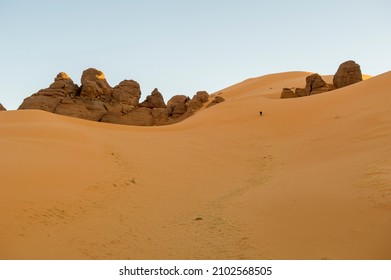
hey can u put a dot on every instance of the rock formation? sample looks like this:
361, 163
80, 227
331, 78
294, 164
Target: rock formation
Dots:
154, 100
348, 73
48, 99
288, 93
218, 99
177, 105
198, 101
127, 92
94, 85
2, 108
96, 100
315, 84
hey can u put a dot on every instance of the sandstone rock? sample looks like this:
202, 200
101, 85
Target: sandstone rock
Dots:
315, 84
62, 86
288, 93
176, 106
95, 100
197, 101
92, 110
140, 117
203, 96
348, 73
160, 116
48, 99
40, 102
2, 108
300, 92
218, 99
154, 100
94, 84
127, 92
113, 117
194, 104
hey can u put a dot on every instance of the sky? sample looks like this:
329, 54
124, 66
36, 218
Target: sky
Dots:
181, 47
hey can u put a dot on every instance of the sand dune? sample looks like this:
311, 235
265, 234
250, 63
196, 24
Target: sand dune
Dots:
310, 179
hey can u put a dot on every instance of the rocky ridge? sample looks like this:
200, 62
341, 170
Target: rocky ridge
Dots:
96, 100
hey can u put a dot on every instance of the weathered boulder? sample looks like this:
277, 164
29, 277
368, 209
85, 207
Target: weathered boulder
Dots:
202, 96
154, 100
2, 108
127, 92
288, 93
197, 101
176, 106
218, 99
348, 73
94, 85
315, 84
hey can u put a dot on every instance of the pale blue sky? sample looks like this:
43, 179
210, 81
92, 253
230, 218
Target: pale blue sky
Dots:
184, 46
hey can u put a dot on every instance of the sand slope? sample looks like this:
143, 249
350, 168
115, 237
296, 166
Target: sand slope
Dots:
310, 179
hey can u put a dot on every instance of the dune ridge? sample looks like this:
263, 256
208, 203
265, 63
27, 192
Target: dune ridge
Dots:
309, 179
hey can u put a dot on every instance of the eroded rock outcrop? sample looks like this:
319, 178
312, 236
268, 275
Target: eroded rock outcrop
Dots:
177, 106
198, 101
94, 85
218, 99
315, 84
127, 92
288, 93
48, 99
96, 100
154, 100
348, 73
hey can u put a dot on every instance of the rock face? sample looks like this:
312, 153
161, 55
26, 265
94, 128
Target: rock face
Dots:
348, 73
96, 100
2, 108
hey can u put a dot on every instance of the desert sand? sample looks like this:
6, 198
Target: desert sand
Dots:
309, 179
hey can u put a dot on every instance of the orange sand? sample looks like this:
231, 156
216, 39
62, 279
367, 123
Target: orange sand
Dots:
310, 179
